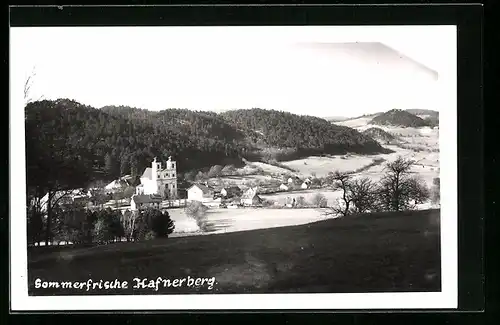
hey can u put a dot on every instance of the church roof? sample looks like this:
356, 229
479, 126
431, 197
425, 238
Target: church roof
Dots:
146, 199
148, 173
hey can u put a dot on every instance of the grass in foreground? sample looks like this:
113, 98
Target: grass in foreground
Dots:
386, 252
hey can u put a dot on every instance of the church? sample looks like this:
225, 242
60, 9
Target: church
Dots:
158, 180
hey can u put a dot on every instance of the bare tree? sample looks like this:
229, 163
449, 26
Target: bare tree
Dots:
341, 181
27, 87
398, 187
364, 195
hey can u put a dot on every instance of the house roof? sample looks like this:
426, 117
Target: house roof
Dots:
148, 173
232, 189
205, 189
117, 184
250, 194
146, 199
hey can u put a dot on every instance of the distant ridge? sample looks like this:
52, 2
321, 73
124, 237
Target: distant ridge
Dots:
397, 117
381, 136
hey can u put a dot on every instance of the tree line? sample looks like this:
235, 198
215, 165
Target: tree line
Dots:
82, 226
398, 190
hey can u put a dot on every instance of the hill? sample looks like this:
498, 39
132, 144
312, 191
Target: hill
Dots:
397, 117
88, 143
395, 252
123, 141
432, 117
381, 135
336, 118
295, 136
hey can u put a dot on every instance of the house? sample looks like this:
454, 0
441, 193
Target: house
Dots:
119, 184
199, 192
229, 192
283, 187
304, 185
159, 181
250, 198
67, 197
143, 201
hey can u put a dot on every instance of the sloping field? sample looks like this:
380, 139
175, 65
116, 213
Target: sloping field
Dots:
321, 166
388, 252
281, 197
231, 220
270, 168
357, 123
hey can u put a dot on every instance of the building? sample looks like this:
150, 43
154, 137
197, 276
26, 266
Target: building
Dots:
250, 198
68, 197
304, 185
199, 192
119, 184
159, 181
232, 191
143, 201
283, 187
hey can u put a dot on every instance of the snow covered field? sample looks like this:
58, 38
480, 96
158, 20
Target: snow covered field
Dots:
231, 220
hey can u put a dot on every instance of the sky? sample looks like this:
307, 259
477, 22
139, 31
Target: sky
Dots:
323, 71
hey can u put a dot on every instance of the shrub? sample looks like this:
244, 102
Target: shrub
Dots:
35, 225
71, 225
141, 228
320, 201
150, 235
435, 192
162, 225
101, 233
268, 203
215, 171
228, 170
197, 211
300, 202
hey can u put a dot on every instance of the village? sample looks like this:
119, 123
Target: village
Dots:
159, 189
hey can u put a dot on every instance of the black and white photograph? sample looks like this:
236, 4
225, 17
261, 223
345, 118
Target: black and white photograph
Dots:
284, 167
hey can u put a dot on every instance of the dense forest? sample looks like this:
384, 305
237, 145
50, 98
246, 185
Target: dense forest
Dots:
432, 117
306, 135
381, 135
397, 117
66, 137
115, 145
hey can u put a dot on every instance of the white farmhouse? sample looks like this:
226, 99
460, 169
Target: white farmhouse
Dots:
140, 202
158, 180
283, 187
250, 198
199, 192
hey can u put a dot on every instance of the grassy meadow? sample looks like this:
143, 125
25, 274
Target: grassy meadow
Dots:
385, 252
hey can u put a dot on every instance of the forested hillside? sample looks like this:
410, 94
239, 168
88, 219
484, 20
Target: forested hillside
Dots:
430, 116
304, 134
64, 136
116, 144
381, 135
397, 117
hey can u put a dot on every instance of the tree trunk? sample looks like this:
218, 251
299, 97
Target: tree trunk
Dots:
49, 218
